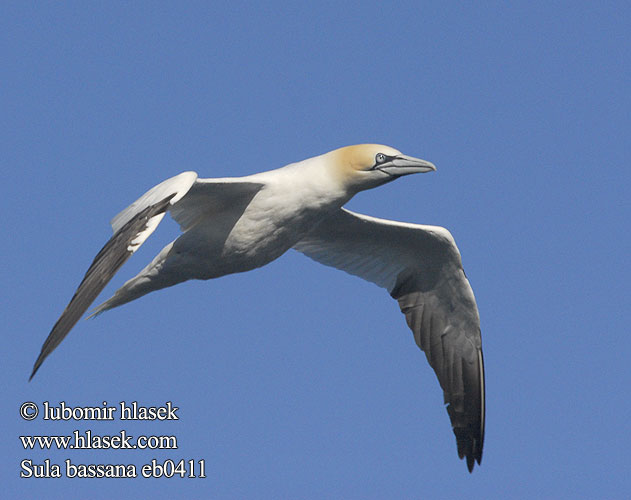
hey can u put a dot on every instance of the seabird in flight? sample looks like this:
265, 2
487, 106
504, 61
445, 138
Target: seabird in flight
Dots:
236, 224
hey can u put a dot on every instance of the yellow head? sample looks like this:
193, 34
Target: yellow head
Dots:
365, 166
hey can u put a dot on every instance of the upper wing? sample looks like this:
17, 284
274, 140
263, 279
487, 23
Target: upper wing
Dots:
206, 215
229, 196
421, 268
131, 228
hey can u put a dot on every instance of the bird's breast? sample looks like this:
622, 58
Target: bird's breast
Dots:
274, 222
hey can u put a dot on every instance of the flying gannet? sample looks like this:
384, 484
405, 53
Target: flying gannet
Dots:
233, 225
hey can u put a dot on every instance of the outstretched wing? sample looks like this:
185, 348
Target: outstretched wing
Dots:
131, 228
421, 268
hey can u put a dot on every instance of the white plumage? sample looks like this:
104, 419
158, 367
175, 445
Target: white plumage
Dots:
237, 224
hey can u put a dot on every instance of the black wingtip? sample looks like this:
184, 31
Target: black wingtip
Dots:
472, 456
106, 263
469, 446
38, 363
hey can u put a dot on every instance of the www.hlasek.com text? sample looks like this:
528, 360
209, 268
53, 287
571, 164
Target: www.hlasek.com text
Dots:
88, 441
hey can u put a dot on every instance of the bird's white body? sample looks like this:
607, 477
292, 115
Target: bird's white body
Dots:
232, 225
291, 201
286, 203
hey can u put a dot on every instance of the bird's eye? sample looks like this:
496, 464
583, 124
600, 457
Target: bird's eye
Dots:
380, 158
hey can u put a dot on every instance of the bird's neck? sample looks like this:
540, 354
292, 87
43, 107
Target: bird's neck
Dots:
312, 184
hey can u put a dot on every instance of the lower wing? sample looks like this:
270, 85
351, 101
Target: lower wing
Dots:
421, 268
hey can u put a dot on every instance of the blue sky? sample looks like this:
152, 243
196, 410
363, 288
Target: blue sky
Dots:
296, 380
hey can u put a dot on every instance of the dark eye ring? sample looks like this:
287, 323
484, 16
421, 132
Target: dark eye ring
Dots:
380, 158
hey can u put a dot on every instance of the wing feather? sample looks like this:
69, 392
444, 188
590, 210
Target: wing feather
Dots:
208, 197
177, 186
421, 268
131, 227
